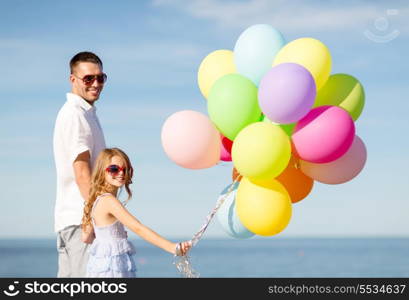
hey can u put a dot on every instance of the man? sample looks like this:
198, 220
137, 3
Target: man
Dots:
78, 139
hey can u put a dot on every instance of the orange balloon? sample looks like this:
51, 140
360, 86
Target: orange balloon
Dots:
296, 182
236, 174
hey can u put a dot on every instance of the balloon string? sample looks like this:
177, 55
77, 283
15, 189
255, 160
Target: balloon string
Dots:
297, 164
183, 263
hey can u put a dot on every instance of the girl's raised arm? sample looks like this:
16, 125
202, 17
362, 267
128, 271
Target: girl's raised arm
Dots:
115, 207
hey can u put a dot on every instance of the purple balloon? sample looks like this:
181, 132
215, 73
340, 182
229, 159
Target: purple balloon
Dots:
286, 93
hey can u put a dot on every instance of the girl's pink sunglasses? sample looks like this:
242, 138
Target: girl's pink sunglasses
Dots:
115, 169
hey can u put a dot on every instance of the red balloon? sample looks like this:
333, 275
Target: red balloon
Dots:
226, 145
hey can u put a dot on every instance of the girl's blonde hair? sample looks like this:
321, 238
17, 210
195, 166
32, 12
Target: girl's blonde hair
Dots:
98, 184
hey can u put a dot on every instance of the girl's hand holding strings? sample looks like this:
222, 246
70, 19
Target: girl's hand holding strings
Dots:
182, 248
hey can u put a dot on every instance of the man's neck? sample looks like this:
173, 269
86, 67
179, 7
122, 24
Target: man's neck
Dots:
89, 102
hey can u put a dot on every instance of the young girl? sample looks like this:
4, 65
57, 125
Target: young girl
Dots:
110, 254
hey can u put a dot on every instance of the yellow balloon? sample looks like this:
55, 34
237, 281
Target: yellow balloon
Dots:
215, 65
261, 151
263, 208
312, 54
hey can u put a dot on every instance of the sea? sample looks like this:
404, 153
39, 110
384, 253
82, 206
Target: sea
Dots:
234, 258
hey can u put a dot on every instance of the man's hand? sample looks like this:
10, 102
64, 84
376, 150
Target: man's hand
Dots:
88, 235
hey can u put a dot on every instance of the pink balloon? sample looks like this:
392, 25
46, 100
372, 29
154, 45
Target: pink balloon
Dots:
225, 148
191, 140
323, 135
341, 170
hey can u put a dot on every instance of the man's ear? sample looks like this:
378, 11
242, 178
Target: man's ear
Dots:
72, 78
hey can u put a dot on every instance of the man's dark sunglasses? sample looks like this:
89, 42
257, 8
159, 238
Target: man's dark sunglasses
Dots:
88, 80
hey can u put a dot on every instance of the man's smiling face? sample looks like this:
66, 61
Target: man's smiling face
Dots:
89, 92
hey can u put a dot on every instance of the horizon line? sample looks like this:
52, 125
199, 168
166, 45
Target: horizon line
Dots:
232, 238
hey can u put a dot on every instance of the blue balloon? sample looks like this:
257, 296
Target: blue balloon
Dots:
228, 218
256, 49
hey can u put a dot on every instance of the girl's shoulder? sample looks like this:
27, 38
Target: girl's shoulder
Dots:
108, 202
105, 195
105, 199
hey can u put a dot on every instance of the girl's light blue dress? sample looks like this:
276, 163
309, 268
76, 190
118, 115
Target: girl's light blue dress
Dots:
111, 254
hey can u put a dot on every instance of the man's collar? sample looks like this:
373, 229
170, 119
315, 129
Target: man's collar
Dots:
77, 100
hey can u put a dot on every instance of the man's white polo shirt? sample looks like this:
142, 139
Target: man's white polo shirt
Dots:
77, 130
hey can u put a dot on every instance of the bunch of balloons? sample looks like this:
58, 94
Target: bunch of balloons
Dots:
276, 111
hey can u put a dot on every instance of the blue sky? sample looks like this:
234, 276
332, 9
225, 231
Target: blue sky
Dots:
151, 52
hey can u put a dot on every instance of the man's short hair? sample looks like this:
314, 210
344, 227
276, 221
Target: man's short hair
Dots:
84, 57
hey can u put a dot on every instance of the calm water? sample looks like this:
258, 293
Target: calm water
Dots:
269, 257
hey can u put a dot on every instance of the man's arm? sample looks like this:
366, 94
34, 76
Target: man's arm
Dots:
82, 173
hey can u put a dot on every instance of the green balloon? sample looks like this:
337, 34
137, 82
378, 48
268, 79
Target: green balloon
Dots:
345, 91
288, 128
232, 104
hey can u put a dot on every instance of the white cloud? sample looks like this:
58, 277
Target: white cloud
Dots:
153, 51
39, 64
30, 63
289, 16
146, 110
